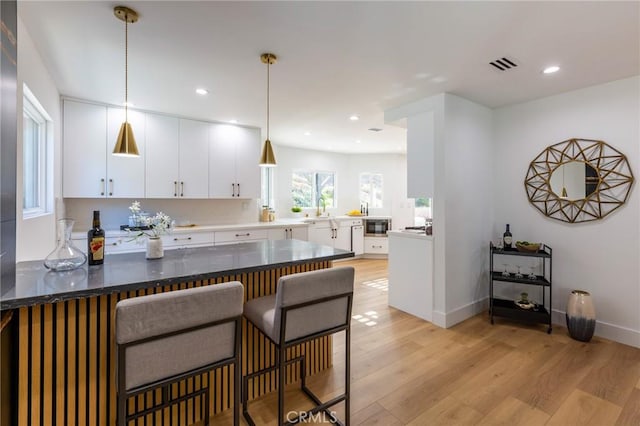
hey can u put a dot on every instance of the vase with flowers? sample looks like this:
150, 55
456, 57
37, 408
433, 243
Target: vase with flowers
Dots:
152, 227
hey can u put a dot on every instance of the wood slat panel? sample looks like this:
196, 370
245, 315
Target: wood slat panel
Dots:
67, 360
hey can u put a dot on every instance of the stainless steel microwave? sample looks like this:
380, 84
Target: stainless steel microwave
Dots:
376, 227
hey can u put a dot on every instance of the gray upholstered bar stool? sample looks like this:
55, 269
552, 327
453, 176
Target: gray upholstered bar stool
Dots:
168, 337
306, 306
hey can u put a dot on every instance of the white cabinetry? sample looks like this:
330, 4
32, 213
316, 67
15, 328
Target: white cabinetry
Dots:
288, 233
162, 156
89, 169
240, 236
234, 153
178, 158
331, 233
376, 245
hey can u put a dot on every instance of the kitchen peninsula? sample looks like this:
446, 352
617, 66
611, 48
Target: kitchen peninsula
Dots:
64, 351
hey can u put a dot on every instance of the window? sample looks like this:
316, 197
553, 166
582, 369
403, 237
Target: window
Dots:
267, 181
423, 212
313, 189
36, 169
371, 189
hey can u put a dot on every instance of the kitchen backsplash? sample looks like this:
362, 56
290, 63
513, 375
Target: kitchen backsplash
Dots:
115, 212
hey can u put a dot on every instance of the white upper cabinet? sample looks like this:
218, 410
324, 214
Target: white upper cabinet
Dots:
177, 157
84, 169
234, 153
125, 175
89, 169
194, 159
162, 180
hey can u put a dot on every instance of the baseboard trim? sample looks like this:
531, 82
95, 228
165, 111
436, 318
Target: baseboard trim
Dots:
609, 331
460, 314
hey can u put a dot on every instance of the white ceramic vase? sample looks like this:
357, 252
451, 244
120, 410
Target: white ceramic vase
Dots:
155, 250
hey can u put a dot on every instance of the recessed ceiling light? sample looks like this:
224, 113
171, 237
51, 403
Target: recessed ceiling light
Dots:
128, 104
234, 121
201, 91
358, 141
354, 118
551, 70
307, 133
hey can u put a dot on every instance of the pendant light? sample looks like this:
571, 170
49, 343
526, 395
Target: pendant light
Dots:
267, 159
126, 142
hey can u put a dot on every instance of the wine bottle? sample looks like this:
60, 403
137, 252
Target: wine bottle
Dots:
507, 238
95, 241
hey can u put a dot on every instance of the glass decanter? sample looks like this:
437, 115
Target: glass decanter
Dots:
65, 256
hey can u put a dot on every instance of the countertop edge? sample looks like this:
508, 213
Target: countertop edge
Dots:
6, 305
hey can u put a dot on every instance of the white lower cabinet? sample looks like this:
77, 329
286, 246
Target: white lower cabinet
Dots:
240, 236
288, 233
376, 245
331, 233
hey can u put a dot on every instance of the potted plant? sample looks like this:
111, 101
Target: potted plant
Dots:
152, 228
296, 211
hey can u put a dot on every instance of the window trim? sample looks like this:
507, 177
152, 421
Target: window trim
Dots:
32, 109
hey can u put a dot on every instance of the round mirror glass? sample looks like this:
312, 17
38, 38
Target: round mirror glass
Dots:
574, 180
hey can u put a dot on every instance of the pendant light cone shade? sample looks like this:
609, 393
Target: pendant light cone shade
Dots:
564, 193
267, 159
126, 143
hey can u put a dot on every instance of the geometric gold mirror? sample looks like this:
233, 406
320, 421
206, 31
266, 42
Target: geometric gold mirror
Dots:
578, 180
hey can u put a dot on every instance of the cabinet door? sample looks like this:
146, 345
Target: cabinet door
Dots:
247, 159
161, 165
298, 234
222, 160
194, 159
125, 175
321, 235
84, 169
278, 233
343, 238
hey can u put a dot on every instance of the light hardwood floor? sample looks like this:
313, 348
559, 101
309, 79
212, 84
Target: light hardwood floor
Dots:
406, 371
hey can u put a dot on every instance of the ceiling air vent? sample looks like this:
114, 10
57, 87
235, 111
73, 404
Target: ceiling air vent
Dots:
504, 64
375, 129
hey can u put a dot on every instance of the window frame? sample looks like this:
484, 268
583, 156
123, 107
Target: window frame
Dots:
33, 110
314, 187
371, 193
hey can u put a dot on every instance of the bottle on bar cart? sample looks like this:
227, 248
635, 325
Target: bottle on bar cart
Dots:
507, 238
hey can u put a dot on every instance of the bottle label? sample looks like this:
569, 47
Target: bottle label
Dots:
97, 248
507, 240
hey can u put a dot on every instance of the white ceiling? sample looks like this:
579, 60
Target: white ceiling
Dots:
335, 58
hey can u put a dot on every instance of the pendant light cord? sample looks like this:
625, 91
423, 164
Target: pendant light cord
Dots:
126, 69
268, 66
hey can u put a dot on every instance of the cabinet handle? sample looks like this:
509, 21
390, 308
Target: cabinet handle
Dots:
182, 189
110, 187
238, 190
233, 189
186, 239
103, 186
243, 235
175, 188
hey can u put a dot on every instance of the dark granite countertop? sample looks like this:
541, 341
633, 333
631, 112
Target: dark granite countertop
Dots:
37, 285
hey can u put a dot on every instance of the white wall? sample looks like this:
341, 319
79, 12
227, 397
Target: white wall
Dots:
468, 205
601, 257
347, 168
36, 237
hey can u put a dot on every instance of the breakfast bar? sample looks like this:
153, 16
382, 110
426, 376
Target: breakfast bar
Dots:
62, 354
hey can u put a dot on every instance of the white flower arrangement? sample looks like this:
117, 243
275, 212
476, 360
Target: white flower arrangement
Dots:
159, 224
